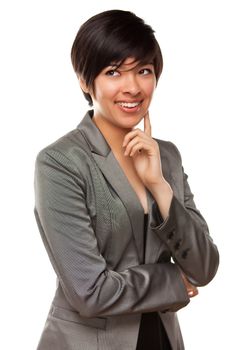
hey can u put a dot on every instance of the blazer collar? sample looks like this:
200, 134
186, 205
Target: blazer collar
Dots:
115, 175
93, 135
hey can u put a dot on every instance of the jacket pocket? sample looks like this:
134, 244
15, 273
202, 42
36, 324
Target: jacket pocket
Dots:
72, 316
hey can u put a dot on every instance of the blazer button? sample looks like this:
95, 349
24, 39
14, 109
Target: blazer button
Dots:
178, 244
171, 235
185, 253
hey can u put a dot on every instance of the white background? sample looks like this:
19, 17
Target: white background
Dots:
41, 101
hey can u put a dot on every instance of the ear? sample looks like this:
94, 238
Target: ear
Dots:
83, 85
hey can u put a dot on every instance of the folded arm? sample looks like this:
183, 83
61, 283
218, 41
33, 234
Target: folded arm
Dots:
186, 234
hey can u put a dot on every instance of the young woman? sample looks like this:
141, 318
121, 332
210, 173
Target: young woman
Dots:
113, 205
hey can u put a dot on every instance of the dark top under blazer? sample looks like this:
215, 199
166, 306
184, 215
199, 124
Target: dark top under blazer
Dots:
152, 334
91, 223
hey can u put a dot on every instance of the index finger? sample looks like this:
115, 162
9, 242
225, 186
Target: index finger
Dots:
147, 124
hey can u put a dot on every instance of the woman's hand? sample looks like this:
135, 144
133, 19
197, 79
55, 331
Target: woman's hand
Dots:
144, 151
191, 289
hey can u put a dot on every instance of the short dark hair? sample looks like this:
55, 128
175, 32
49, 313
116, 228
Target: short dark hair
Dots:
111, 37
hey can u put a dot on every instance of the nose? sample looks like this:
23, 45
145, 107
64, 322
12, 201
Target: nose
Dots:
131, 85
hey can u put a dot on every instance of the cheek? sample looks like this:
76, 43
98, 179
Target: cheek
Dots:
149, 87
110, 91
105, 90
149, 90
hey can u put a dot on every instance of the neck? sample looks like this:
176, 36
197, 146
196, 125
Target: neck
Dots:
113, 134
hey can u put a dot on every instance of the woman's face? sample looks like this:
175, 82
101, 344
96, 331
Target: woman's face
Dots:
122, 95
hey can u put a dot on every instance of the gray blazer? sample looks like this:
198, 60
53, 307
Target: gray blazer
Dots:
91, 223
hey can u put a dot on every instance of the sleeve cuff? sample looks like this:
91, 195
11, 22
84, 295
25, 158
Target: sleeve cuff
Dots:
172, 229
158, 223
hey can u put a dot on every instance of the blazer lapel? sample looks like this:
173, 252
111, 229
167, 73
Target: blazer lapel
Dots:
117, 179
114, 174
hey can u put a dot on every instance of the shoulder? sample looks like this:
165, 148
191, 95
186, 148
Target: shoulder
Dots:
64, 143
168, 150
66, 151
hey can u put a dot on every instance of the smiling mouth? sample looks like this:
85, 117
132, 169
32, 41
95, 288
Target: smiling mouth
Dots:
129, 104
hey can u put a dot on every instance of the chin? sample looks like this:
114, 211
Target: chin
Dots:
130, 125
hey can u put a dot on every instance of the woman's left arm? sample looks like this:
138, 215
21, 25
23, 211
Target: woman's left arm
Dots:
186, 234
183, 229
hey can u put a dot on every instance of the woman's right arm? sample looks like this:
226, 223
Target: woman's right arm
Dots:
66, 229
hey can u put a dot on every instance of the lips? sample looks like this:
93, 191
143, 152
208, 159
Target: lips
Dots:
126, 104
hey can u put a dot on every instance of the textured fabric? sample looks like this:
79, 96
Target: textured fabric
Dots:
91, 223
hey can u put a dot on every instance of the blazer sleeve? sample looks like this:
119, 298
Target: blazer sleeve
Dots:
186, 234
66, 229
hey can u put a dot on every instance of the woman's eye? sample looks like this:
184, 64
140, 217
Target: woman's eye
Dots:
145, 71
112, 73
